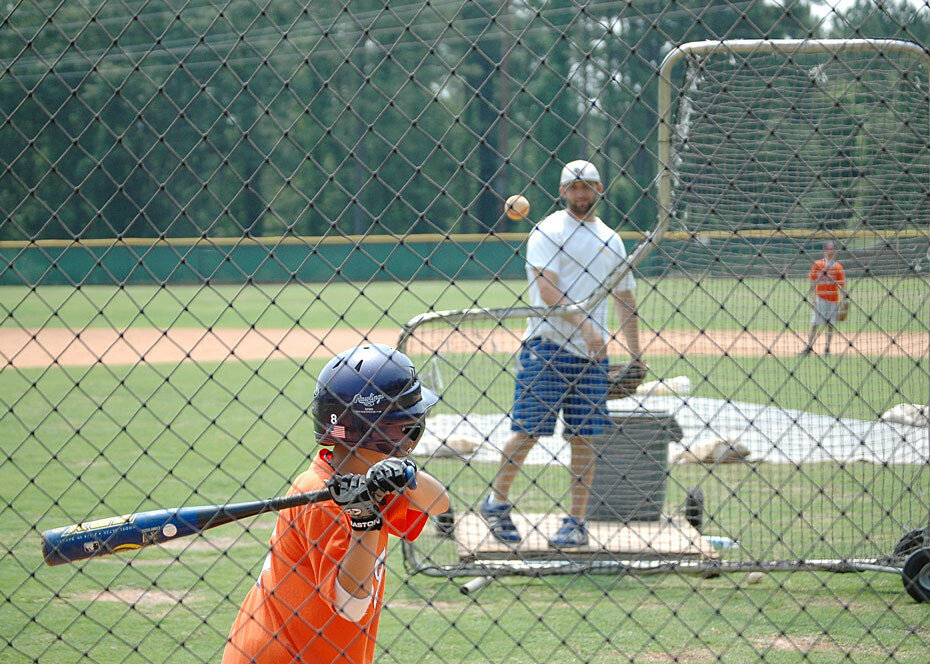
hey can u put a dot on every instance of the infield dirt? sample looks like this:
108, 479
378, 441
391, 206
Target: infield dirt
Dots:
24, 349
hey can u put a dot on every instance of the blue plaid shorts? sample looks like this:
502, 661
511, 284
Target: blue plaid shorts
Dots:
550, 379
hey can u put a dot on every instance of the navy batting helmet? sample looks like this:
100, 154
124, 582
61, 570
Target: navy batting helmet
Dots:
370, 397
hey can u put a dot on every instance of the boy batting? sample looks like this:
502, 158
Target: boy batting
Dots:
319, 594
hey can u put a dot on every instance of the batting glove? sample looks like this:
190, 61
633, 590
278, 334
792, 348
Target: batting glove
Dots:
392, 476
351, 493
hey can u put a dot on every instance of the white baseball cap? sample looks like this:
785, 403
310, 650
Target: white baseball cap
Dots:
579, 170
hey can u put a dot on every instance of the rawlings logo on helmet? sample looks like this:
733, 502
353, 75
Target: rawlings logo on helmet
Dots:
370, 400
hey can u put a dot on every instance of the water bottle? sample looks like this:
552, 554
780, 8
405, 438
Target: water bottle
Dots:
720, 541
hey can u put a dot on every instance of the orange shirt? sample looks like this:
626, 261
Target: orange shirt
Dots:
828, 280
288, 615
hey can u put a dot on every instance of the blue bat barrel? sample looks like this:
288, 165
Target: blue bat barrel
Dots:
122, 533
134, 531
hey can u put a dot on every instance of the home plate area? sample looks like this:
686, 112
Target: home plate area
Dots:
642, 540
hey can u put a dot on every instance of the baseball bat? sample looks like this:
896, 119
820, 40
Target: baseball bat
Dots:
102, 537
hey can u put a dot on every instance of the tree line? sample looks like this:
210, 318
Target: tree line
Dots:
138, 120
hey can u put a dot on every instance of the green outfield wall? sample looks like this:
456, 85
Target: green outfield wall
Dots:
261, 260
442, 257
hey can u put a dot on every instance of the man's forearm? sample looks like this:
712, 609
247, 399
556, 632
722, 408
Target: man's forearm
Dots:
629, 323
631, 334
550, 294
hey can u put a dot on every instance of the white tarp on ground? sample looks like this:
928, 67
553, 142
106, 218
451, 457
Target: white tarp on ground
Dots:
771, 434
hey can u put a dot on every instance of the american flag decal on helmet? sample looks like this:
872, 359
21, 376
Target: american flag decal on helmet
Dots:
338, 430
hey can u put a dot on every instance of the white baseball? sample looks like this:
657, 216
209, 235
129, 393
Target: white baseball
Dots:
754, 577
517, 207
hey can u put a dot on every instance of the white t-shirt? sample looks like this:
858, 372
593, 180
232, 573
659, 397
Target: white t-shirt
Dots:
582, 255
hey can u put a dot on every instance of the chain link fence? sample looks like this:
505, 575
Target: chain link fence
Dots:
203, 203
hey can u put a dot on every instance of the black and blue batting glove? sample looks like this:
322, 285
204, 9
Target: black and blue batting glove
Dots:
351, 493
392, 476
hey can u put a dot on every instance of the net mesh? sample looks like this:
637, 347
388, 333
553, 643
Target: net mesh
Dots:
201, 203
776, 153
797, 140
795, 145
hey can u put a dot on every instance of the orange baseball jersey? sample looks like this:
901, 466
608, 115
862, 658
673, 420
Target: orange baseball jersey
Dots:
288, 615
828, 280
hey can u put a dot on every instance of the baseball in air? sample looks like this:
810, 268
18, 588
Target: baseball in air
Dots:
517, 207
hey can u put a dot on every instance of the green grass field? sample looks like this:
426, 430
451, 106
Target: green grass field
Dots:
88, 442
786, 512
851, 386
887, 304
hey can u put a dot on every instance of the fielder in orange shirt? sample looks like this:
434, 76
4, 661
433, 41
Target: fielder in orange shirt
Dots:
319, 594
827, 295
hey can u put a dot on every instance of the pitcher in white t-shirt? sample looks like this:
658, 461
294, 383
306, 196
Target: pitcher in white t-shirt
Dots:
563, 358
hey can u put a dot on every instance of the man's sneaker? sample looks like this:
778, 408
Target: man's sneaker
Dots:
807, 351
499, 522
572, 533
